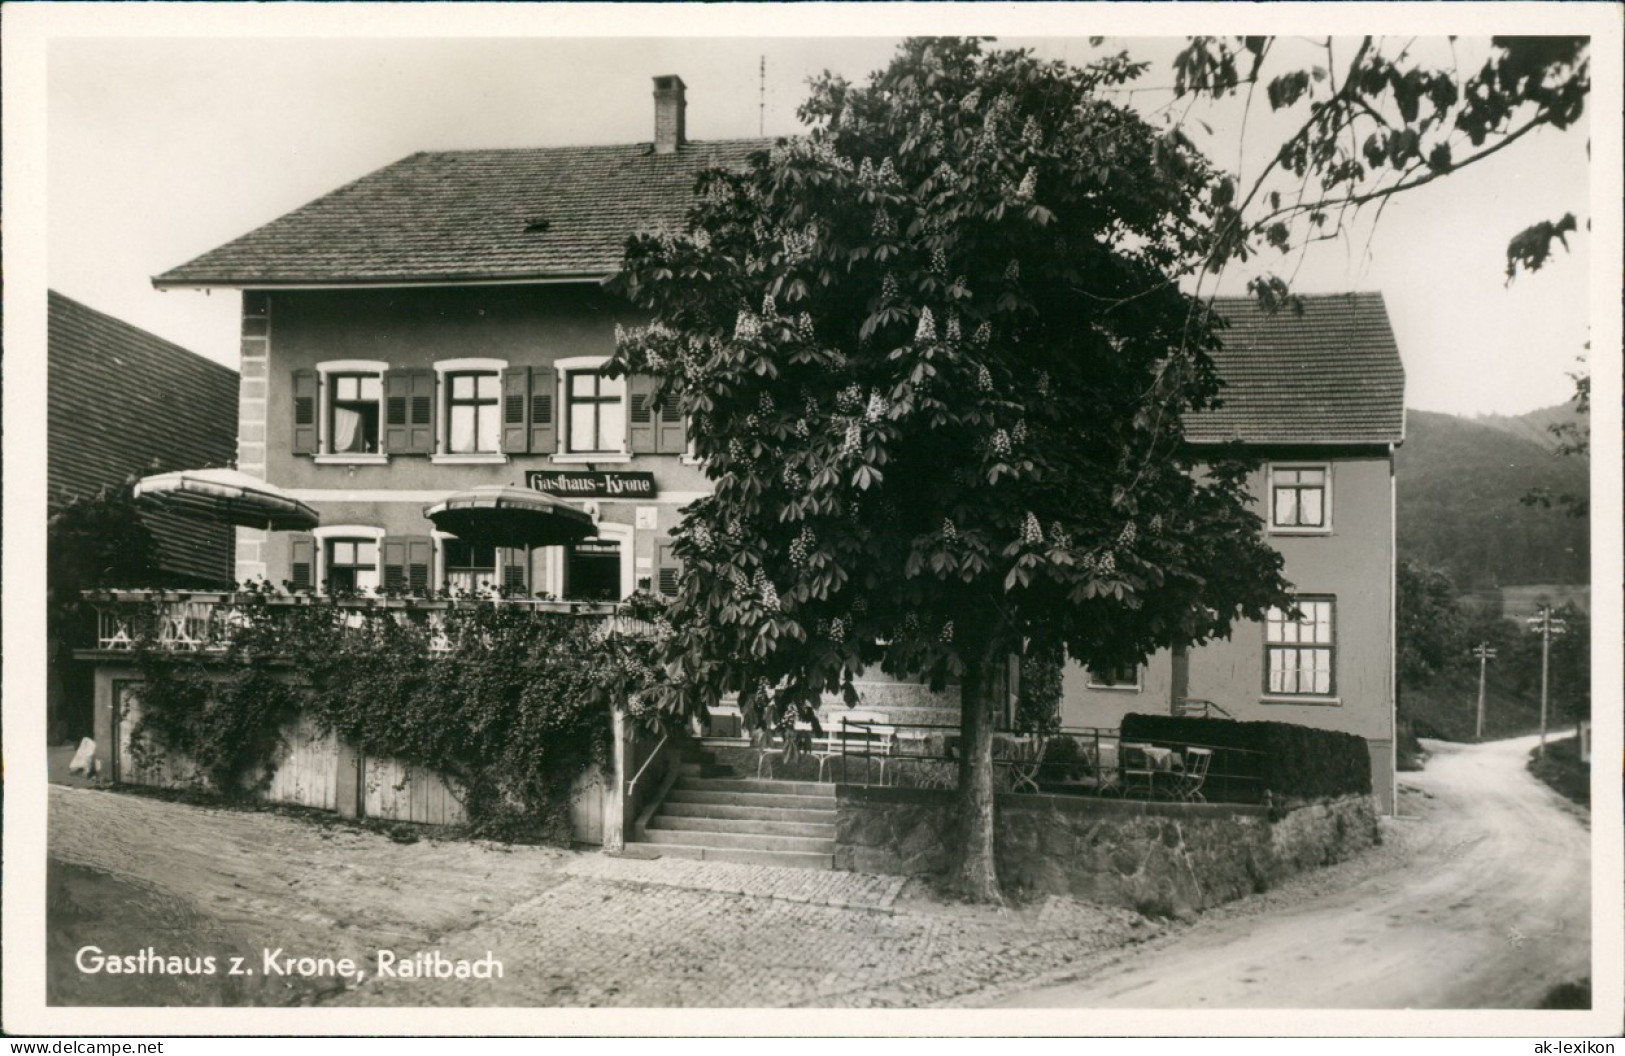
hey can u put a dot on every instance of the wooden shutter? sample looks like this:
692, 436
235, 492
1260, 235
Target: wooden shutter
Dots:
406, 564
544, 427
393, 557
514, 565
640, 414
516, 410
668, 570
671, 432
301, 562
420, 412
397, 412
419, 556
306, 393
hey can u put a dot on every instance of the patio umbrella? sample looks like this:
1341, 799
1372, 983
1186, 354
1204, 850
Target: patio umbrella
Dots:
227, 496
503, 515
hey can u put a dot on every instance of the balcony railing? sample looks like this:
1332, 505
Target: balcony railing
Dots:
200, 622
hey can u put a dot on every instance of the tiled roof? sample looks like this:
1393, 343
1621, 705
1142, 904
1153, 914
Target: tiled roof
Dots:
122, 402
472, 215
1330, 375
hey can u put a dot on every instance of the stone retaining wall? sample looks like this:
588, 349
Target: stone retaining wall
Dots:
1159, 858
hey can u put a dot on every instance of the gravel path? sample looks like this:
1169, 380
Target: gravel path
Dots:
1482, 900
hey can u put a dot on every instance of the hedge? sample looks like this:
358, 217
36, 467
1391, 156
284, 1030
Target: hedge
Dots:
1297, 761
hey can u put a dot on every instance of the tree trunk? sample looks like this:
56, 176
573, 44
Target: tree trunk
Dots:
975, 876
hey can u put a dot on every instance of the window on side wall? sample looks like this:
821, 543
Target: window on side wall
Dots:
1122, 676
1300, 653
473, 413
595, 413
1300, 498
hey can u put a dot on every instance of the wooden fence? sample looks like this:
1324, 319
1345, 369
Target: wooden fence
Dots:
315, 770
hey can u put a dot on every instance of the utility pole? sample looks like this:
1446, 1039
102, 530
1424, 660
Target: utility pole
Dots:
1547, 626
1484, 653
761, 95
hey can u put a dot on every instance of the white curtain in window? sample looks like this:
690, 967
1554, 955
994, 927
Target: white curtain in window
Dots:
346, 424
1311, 508
1286, 506
462, 429
490, 430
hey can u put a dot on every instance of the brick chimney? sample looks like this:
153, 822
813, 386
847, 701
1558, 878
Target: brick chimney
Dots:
670, 106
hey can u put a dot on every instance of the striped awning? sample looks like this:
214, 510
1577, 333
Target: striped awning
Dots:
226, 496
503, 515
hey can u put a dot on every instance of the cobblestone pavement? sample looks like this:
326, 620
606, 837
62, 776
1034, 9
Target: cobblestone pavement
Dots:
841, 890
678, 933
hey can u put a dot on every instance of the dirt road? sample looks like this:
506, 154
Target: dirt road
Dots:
1489, 907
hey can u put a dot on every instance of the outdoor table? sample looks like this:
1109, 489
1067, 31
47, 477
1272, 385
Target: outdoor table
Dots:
1019, 754
1159, 767
1167, 759
1022, 755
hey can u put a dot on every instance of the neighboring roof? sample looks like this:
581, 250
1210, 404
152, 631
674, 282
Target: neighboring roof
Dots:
1330, 375
470, 216
122, 402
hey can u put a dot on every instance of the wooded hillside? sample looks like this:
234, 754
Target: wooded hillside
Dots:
1459, 484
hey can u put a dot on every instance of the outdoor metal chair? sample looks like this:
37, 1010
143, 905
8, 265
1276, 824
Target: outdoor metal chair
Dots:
1197, 761
1138, 770
1104, 760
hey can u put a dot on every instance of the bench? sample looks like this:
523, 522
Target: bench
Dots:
855, 734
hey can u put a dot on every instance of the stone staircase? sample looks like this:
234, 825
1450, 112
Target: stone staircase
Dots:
711, 814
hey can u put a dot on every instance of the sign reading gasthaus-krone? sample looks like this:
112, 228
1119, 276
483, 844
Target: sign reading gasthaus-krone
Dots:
580, 484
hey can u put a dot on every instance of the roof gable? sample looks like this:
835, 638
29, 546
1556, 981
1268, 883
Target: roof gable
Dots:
472, 216
1328, 375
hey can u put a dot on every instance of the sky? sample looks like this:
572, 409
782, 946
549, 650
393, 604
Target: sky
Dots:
159, 149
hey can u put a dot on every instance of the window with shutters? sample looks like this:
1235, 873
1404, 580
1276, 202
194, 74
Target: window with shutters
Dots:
469, 411
596, 413
352, 413
591, 409
1300, 650
351, 566
473, 421
1300, 499
346, 558
338, 411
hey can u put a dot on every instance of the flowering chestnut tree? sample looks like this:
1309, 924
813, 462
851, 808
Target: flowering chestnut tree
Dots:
936, 366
